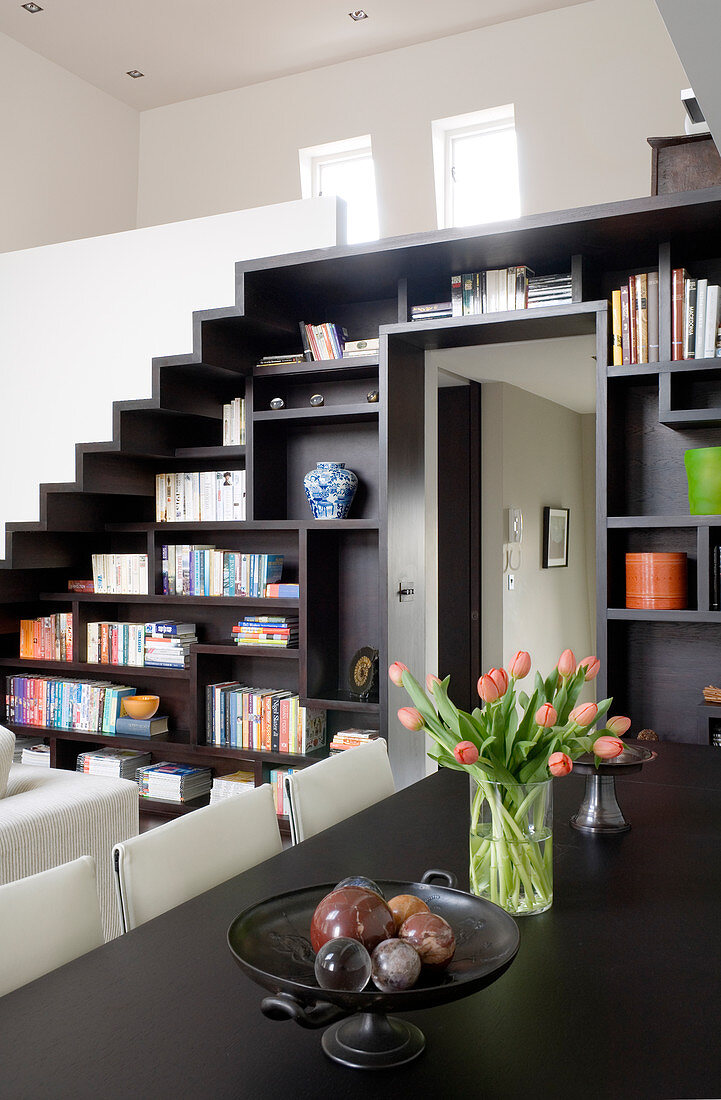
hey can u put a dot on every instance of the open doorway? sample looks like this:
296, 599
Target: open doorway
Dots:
516, 430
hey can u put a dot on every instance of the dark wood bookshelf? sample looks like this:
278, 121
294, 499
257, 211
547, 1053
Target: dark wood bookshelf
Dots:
350, 571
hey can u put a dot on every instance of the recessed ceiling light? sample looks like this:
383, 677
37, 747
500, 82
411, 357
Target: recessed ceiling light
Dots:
359, 14
32, 8
135, 73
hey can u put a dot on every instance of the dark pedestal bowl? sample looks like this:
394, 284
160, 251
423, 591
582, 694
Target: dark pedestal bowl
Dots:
270, 942
599, 811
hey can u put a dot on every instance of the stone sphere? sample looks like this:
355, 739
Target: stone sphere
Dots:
354, 913
405, 905
343, 964
431, 936
395, 966
363, 882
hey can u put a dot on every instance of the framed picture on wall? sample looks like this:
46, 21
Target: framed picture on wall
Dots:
555, 537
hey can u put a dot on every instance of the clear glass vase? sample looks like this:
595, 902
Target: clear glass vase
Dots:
512, 844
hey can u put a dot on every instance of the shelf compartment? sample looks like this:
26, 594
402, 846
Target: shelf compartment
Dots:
342, 612
654, 539
657, 669
285, 451
691, 399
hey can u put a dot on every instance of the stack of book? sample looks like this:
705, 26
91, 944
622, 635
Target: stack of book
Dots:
208, 496
695, 308
22, 743
283, 591
166, 782
325, 341
492, 291
350, 739
282, 360
56, 703
49, 638
267, 630
38, 755
228, 786
206, 571
239, 716
167, 644
431, 312
549, 290
634, 320
716, 735
234, 423
120, 574
110, 643
354, 349
276, 778
118, 763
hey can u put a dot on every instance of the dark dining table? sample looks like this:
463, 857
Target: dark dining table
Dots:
615, 990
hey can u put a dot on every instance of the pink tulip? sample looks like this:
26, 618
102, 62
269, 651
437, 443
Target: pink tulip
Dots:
559, 763
430, 681
500, 679
466, 752
396, 671
411, 718
591, 665
520, 665
566, 663
546, 716
488, 690
584, 714
618, 725
607, 747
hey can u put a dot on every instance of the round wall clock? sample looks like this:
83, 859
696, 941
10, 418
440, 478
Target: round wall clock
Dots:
363, 672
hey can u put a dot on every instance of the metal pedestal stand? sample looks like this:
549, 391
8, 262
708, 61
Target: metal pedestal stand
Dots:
599, 811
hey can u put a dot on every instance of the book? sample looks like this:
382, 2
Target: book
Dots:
285, 590
641, 301
678, 280
141, 727
700, 326
617, 353
81, 586
713, 304
361, 347
625, 326
653, 338
689, 319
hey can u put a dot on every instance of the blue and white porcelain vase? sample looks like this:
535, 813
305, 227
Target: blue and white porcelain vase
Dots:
330, 489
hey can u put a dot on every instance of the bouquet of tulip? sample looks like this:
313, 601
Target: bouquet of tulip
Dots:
510, 748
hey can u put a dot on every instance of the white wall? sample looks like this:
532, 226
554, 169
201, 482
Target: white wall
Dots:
69, 154
590, 84
81, 321
544, 460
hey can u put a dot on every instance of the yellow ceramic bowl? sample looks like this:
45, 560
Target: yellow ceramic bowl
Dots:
141, 706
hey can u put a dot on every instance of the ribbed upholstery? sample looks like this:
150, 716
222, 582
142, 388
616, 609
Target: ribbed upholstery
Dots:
336, 788
47, 920
7, 748
50, 816
180, 859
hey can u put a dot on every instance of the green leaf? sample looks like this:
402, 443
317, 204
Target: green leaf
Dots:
523, 700
550, 685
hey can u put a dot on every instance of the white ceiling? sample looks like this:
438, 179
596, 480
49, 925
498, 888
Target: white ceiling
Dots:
190, 48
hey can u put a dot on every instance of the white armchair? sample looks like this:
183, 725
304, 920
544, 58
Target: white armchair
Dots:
50, 816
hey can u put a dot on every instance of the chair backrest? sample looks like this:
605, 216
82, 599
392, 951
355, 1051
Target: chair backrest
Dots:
176, 861
336, 788
46, 920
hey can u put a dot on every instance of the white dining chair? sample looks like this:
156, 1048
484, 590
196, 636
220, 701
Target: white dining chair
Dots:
47, 920
180, 859
333, 789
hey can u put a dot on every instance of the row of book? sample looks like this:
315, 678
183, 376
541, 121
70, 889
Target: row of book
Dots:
350, 739
234, 423
192, 570
239, 716
276, 778
695, 316
54, 702
279, 631
205, 496
324, 341
491, 291
48, 638
634, 320
120, 574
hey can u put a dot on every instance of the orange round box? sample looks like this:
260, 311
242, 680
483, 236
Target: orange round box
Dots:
656, 581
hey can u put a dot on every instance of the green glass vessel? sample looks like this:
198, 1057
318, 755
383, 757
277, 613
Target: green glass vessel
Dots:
703, 470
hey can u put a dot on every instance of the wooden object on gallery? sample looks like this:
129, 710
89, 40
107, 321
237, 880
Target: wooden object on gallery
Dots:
684, 163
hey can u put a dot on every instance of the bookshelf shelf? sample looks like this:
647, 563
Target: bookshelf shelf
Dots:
325, 414
101, 671
342, 703
210, 452
631, 615
183, 601
271, 652
357, 367
269, 525
622, 522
